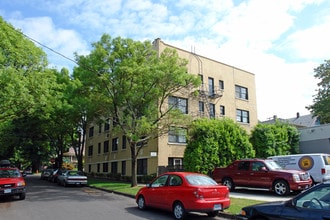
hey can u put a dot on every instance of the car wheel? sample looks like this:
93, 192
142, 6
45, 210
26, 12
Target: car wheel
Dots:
229, 183
213, 214
179, 211
64, 184
141, 203
281, 188
22, 196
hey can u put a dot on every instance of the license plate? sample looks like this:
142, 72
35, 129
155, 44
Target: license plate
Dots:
7, 191
217, 207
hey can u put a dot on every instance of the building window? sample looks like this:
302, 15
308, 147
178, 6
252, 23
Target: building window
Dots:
89, 168
114, 121
142, 166
107, 125
241, 92
242, 116
124, 140
201, 107
177, 135
201, 77
114, 144
90, 151
123, 168
98, 167
91, 131
106, 146
100, 128
221, 85
99, 148
105, 167
211, 86
222, 110
178, 103
114, 167
212, 110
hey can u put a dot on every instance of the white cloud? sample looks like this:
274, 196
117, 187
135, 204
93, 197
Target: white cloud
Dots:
43, 30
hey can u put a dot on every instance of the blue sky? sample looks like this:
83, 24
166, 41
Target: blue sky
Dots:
280, 41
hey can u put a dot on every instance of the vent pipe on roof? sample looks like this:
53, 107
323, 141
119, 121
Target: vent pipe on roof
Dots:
298, 115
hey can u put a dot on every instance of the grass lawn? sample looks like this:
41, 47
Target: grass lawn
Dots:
235, 206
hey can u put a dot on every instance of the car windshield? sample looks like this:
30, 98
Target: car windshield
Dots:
75, 173
272, 165
199, 180
9, 173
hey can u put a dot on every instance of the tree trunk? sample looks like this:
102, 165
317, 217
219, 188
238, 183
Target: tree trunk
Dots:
133, 157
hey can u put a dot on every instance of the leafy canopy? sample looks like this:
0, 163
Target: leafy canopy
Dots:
321, 100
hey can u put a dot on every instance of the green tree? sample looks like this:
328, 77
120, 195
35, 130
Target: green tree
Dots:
213, 142
21, 63
275, 139
135, 83
321, 100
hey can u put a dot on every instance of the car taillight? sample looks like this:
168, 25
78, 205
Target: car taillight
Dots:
198, 194
323, 171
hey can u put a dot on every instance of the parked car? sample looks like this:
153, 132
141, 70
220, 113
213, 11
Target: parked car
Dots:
182, 192
54, 175
262, 173
317, 164
12, 182
311, 204
72, 177
28, 170
45, 174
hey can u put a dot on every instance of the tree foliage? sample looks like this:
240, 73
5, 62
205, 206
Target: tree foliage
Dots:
134, 84
275, 139
321, 100
214, 143
21, 80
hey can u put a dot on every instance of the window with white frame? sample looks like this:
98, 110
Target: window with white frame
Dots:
221, 85
114, 144
242, 116
201, 107
178, 103
241, 92
177, 135
212, 110
222, 110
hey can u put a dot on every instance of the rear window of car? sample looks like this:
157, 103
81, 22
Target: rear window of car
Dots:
199, 180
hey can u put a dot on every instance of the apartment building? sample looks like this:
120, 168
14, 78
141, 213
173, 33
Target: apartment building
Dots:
226, 91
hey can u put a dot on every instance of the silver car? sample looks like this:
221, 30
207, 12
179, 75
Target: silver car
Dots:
72, 177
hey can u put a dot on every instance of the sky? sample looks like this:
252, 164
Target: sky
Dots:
280, 41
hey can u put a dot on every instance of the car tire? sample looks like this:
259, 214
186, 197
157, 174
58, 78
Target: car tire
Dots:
229, 183
64, 184
179, 211
22, 196
281, 188
141, 203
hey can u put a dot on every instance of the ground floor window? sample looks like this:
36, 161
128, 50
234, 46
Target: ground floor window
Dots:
123, 168
114, 167
105, 167
142, 166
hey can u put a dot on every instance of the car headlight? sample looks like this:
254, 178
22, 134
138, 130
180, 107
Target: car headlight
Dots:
21, 184
296, 177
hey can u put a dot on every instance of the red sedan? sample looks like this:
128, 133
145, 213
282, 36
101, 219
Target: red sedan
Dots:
183, 192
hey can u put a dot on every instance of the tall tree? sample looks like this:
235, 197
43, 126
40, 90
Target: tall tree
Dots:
20, 61
275, 139
321, 100
214, 142
135, 83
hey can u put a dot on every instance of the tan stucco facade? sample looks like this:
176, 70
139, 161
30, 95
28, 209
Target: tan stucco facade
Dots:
160, 152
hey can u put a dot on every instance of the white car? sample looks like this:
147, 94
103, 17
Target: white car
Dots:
72, 177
